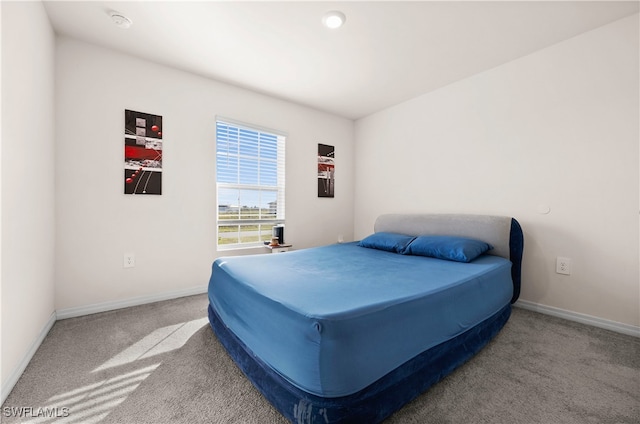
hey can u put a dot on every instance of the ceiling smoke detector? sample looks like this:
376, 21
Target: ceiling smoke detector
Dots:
120, 20
333, 19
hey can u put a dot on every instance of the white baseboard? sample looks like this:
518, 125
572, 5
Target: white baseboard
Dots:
125, 303
618, 327
8, 385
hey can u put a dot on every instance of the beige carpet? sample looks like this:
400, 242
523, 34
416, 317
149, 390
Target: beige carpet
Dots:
161, 363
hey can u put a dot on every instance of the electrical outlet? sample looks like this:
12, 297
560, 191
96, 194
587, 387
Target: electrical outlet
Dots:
129, 260
563, 265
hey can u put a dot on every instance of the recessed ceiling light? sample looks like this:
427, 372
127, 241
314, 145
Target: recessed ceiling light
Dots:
333, 19
120, 20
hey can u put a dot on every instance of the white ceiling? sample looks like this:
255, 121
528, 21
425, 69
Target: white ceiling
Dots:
386, 53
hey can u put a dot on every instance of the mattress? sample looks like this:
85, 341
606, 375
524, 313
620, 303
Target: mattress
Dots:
332, 327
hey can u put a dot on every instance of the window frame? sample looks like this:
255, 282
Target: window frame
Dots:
278, 188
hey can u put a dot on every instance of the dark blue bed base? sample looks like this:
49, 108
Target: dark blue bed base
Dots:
373, 403
381, 399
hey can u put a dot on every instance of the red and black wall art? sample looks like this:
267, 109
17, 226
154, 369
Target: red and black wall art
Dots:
142, 153
326, 170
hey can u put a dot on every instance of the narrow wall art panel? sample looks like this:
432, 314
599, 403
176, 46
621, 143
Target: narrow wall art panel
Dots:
326, 170
142, 153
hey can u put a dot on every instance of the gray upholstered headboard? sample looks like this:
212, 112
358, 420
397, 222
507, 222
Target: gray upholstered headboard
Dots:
502, 232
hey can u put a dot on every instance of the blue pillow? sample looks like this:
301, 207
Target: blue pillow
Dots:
391, 242
451, 248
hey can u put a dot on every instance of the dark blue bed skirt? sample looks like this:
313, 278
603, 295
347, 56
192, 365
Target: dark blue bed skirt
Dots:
377, 401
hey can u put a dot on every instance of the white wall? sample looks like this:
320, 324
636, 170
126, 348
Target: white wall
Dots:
28, 225
557, 128
172, 235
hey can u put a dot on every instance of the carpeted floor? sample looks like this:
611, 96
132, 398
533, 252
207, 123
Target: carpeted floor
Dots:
161, 363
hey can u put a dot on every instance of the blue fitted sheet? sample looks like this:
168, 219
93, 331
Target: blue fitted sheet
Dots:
332, 320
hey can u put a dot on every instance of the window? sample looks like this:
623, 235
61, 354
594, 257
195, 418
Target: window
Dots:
250, 183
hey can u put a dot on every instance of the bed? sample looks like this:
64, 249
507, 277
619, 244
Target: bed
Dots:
351, 332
